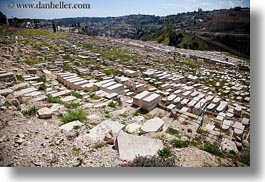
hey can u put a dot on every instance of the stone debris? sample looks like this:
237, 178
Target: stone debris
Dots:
103, 131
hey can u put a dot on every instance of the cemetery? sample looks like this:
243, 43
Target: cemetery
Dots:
67, 99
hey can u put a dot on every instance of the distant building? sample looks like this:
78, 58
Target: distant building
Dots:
199, 10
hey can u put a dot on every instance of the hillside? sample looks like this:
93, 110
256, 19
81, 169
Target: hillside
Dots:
222, 30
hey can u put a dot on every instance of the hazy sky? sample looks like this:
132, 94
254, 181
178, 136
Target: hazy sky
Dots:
103, 8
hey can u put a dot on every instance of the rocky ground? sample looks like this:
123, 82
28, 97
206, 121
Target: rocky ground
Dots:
31, 142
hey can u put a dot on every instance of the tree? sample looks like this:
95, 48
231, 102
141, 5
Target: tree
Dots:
173, 38
195, 45
53, 26
3, 18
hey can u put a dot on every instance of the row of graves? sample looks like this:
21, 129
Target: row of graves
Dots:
108, 87
190, 99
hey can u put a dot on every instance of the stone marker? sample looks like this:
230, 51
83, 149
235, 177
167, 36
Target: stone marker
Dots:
133, 128
45, 113
153, 125
102, 131
130, 146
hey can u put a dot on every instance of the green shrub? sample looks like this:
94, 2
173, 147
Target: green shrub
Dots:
112, 104
244, 159
51, 99
94, 96
165, 152
20, 78
180, 144
77, 95
150, 161
111, 72
31, 62
30, 112
6, 104
42, 79
213, 149
74, 115
76, 127
66, 67
107, 115
174, 132
42, 87
71, 105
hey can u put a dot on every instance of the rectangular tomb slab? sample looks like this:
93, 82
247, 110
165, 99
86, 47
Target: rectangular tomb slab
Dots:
130, 146
238, 128
222, 107
7, 76
24, 91
6, 91
137, 99
61, 93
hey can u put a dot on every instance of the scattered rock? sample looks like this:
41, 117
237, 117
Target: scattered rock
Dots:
105, 130
72, 125
133, 128
59, 141
138, 119
110, 141
45, 113
16, 103
19, 139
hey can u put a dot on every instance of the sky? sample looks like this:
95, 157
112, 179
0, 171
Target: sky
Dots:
105, 8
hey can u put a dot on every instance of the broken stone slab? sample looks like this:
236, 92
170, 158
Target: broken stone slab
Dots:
45, 113
153, 125
5, 92
105, 130
56, 107
138, 119
94, 118
70, 126
130, 146
133, 128
228, 145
